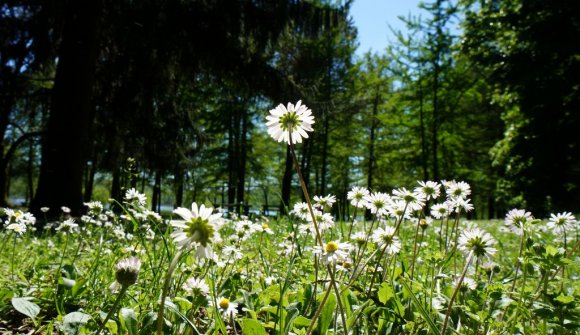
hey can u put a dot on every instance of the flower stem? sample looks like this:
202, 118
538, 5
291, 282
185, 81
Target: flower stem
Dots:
13, 253
113, 309
450, 306
319, 310
306, 196
166, 285
415, 247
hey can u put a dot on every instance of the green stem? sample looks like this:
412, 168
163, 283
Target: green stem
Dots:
166, 285
450, 306
352, 222
415, 247
13, 254
113, 309
318, 310
306, 196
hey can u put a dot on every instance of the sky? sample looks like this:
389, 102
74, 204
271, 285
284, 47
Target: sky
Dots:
373, 18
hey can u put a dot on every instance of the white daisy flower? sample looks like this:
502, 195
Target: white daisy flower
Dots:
301, 210
466, 284
562, 222
290, 123
226, 307
17, 227
385, 238
195, 286
357, 196
196, 229
134, 196
324, 202
428, 189
477, 241
456, 189
517, 220
414, 201
439, 211
333, 251
378, 203
67, 226
127, 271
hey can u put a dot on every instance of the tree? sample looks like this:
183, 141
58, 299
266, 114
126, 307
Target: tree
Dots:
65, 140
531, 49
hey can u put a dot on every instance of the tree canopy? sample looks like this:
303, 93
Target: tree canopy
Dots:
181, 88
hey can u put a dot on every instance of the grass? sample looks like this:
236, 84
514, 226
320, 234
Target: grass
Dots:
57, 283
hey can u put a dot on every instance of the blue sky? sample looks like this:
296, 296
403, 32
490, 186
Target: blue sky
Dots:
373, 18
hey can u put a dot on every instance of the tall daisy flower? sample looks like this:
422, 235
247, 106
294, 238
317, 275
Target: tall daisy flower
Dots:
428, 189
357, 196
226, 308
198, 228
333, 251
324, 202
377, 203
457, 189
517, 220
195, 286
385, 238
477, 242
562, 222
290, 123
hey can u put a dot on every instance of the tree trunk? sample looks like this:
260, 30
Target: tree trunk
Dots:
178, 188
90, 180
156, 196
424, 154
4, 117
232, 160
242, 161
324, 166
65, 142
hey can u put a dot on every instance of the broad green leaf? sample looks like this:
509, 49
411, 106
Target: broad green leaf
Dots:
564, 299
291, 314
129, 318
326, 314
24, 306
385, 293
72, 322
79, 287
253, 327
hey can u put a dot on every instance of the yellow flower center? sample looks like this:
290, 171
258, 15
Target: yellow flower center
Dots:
224, 303
265, 226
331, 247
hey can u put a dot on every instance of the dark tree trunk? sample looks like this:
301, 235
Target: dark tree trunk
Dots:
65, 142
232, 160
178, 188
324, 166
90, 180
242, 161
424, 154
156, 196
286, 182
4, 117
116, 185
30, 173
305, 162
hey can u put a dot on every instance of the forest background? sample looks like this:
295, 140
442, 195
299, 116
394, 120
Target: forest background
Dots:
170, 97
